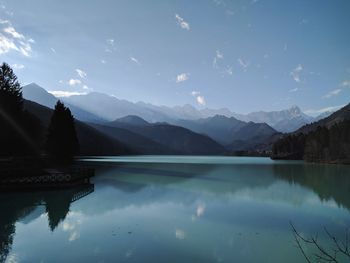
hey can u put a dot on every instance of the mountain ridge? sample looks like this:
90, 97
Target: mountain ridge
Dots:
102, 106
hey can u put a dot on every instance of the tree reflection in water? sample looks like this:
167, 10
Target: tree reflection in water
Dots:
16, 206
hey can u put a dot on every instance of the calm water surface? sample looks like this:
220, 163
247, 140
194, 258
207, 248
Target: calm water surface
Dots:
178, 209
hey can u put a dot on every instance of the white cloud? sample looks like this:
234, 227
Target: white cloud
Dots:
11, 31
244, 64
85, 87
103, 61
18, 66
293, 90
218, 56
201, 100
110, 41
323, 110
295, 73
73, 82
332, 93
62, 93
183, 24
110, 45
180, 234
135, 60
53, 50
182, 77
200, 210
228, 71
12, 40
345, 83
81, 73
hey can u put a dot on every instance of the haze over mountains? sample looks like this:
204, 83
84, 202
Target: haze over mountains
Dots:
96, 106
143, 128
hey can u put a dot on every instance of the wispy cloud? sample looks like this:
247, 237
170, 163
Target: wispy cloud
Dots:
295, 73
73, 82
85, 87
335, 92
294, 90
110, 45
182, 23
332, 93
81, 73
53, 50
244, 64
218, 56
110, 41
12, 40
17, 66
345, 83
11, 31
135, 60
182, 77
6, 11
323, 110
228, 70
62, 93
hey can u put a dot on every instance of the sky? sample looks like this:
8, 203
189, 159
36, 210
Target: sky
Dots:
245, 55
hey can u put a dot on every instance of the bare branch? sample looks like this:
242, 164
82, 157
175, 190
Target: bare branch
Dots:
345, 248
323, 254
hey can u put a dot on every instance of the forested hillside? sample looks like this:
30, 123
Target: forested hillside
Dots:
328, 145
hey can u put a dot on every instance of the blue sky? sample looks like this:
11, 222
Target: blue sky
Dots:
245, 55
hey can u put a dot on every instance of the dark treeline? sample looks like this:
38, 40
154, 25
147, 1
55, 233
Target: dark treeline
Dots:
328, 145
19, 130
22, 134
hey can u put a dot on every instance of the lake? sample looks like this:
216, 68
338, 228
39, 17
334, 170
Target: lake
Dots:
178, 209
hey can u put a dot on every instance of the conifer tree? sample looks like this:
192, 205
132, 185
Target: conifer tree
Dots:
11, 101
62, 142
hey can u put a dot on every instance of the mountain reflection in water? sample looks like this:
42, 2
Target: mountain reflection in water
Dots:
181, 209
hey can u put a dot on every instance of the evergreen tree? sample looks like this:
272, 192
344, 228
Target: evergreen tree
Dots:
19, 130
11, 100
62, 142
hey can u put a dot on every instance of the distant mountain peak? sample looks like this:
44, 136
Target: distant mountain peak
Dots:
295, 108
295, 111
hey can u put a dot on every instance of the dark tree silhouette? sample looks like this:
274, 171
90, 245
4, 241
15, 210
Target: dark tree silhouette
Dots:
19, 130
62, 142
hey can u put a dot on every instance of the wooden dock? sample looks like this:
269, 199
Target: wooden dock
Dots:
49, 178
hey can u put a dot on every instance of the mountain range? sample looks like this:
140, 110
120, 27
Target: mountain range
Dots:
96, 107
143, 128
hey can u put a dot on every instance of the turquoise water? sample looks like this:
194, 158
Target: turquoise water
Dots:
179, 209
